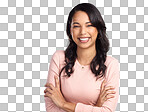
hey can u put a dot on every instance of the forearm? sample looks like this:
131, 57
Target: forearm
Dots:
69, 107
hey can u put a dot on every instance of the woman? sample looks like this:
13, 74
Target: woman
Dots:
83, 78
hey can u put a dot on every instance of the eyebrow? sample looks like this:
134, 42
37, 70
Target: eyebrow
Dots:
78, 23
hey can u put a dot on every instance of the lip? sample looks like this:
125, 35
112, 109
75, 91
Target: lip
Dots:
84, 41
84, 37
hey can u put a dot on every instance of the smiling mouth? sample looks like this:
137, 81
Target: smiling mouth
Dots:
84, 39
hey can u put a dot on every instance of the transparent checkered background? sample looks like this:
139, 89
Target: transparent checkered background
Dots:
32, 30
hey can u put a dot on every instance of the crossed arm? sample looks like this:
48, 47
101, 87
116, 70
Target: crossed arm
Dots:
55, 102
55, 95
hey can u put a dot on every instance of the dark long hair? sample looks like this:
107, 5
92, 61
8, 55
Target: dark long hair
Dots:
102, 42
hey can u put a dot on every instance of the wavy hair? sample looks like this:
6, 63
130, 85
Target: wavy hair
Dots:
102, 42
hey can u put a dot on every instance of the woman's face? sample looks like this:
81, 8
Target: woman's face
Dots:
82, 31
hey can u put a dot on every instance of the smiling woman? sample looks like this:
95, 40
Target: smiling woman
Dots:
83, 78
83, 31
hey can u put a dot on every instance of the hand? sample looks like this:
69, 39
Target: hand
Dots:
54, 93
105, 94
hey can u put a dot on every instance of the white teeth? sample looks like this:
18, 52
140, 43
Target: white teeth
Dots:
84, 38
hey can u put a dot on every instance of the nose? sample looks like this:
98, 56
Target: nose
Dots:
83, 30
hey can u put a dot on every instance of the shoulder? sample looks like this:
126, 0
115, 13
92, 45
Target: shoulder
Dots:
59, 53
111, 60
112, 73
59, 56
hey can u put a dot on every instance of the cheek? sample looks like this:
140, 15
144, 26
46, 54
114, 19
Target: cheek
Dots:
71, 32
75, 32
94, 32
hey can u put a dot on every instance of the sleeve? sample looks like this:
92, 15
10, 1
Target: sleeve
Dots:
53, 70
112, 77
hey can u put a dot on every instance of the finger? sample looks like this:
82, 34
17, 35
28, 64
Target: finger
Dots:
49, 85
56, 82
109, 92
107, 89
47, 95
108, 97
48, 90
45, 91
102, 85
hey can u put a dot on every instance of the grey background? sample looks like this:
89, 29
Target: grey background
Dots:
32, 30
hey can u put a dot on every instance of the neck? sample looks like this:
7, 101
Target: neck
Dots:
85, 56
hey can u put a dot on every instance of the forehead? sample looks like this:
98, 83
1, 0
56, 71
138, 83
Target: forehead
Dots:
80, 16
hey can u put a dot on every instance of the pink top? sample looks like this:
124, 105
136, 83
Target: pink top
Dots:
81, 87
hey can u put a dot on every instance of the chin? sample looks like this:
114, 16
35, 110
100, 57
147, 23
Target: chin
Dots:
84, 46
